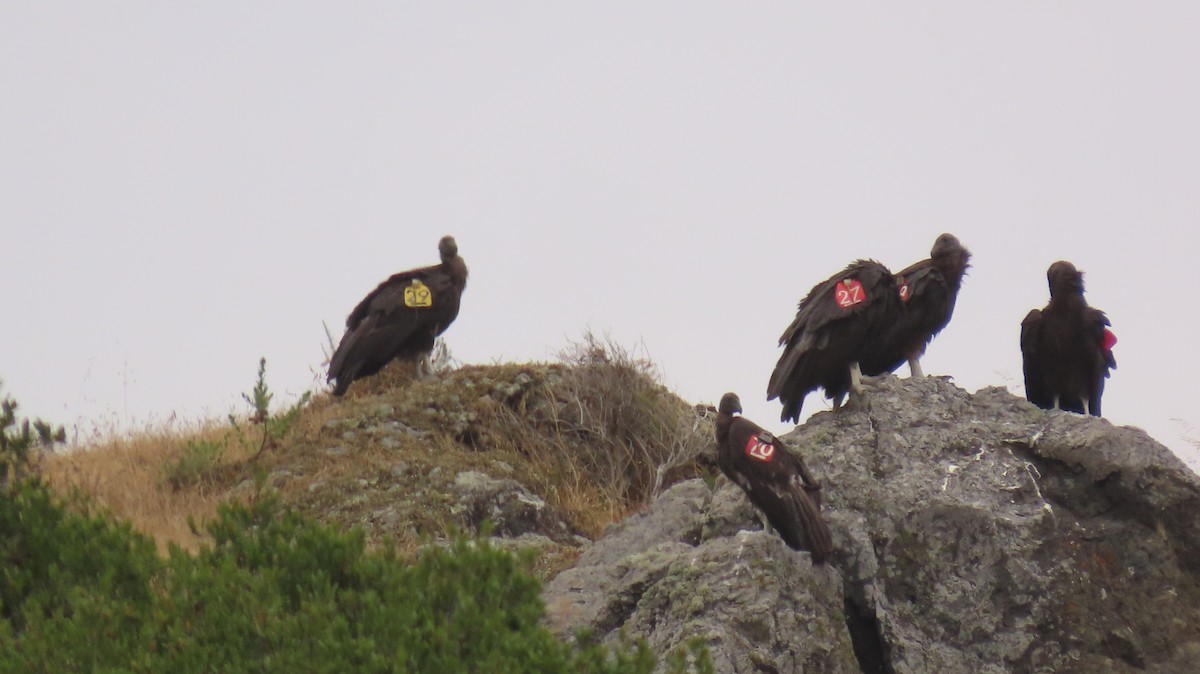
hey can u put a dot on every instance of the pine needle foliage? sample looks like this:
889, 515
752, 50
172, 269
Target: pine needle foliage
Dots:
260, 396
19, 437
274, 427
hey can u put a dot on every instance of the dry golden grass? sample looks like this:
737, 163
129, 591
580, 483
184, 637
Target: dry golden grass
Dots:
605, 436
129, 477
595, 436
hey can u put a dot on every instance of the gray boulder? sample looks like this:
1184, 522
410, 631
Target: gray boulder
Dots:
973, 533
758, 605
511, 510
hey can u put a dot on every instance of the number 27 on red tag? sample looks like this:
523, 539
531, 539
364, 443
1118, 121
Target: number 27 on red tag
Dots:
848, 293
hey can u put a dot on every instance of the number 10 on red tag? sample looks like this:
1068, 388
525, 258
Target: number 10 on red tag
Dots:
757, 449
848, 293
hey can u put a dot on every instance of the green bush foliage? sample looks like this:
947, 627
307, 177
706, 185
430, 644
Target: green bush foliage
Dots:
272, 592
18, 439
310, 598
65, 575
75, 589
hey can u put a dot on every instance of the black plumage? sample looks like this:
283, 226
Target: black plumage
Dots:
1066, 348
400, 318
928, 292
774, 479
835, 324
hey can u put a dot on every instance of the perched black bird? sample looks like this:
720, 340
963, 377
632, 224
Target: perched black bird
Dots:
835, 325
1066, 348
400, 319
928, 291
774, 479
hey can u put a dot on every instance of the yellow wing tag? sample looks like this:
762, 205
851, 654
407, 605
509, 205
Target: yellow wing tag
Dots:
417, 295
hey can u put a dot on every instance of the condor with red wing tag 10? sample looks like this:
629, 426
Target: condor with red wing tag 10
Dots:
774, 479
757, 449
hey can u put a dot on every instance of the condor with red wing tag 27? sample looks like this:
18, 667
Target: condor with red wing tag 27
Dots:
836, 324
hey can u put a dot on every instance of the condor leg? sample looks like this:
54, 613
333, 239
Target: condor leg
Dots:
856, 379
424, 367
914, 367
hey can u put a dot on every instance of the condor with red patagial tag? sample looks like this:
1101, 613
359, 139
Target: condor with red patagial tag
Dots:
1066, 348
928, 291
400, 318
775, 480
835, 326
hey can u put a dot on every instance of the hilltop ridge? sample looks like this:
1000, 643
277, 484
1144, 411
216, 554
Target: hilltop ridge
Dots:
973, 532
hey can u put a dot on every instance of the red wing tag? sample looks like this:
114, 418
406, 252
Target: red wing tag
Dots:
1110, 340
903, 289
757, 449
848, 293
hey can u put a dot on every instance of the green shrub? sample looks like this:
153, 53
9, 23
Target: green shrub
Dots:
272, 592
274, 427
311, 598
18, 439
76, 590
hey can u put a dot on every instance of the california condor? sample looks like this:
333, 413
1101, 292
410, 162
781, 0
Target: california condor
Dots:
1066, 348
928, 291
835, 325
774, 478
401, 318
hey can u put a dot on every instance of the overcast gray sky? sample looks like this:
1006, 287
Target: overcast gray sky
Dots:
185, 188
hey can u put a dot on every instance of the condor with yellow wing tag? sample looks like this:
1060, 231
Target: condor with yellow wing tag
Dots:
400, 320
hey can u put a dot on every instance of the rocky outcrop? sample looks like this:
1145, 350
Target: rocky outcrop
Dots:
683, 570
973, 533
506, 507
